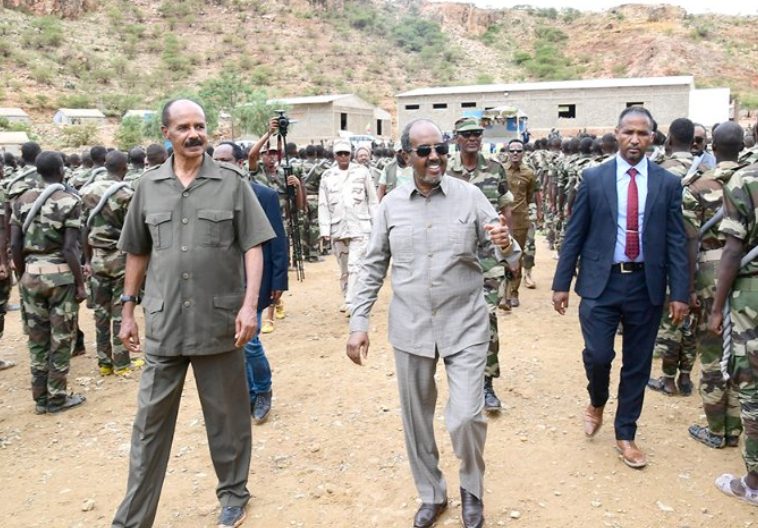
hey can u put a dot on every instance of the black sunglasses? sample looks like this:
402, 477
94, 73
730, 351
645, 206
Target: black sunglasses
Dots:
471, 133
424, 150
341, 153
515, 151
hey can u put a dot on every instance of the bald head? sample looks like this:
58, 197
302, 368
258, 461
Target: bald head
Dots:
178, 105
728, 141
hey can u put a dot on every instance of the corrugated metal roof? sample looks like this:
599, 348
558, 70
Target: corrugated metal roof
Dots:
313, 99
81, 112
12, 112
553, 85
13, 138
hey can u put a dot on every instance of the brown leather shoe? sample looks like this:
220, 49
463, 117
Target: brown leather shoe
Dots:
593, 419
427, 514
631, 454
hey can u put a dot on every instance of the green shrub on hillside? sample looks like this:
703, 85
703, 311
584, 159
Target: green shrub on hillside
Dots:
129, 133
172, 56
78, 100
46, 32
78, 135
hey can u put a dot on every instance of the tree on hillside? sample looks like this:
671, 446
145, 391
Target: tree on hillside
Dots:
237, 96
129, 133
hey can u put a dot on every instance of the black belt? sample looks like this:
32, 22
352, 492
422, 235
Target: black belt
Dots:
628, 267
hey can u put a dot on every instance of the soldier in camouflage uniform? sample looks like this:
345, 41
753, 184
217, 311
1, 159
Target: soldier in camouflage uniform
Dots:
549, 184
750, 155
702, 199
136, 164
44, 241
676, 344
312, 170
5, 274
97, 154
740, 284
470, 165
104, 206
565, 168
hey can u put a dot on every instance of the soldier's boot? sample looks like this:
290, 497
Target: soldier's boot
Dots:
528, 281
491, 401
79, 349
684, 384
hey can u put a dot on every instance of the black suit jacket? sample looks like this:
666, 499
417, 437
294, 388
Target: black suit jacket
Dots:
591, 235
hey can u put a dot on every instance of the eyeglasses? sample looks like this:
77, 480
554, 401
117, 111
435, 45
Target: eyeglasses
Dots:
341, 153
515, 151
698, 139
424, 150
471, 133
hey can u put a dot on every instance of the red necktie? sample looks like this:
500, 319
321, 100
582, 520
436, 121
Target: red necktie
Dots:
632, 210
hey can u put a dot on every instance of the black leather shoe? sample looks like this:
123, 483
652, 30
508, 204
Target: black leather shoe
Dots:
427, 514
472, 510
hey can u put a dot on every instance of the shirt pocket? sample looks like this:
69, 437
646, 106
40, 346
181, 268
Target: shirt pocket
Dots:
225, 308
401, 244
154, 322
161, 232
462, 239
215, 228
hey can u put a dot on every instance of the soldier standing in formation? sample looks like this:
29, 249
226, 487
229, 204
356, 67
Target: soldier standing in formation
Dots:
739, 284
45, 231
701, 202
104, 206
5, 271
676, 343
469, 164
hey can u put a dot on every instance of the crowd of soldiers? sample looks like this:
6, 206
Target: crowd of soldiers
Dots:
62, 218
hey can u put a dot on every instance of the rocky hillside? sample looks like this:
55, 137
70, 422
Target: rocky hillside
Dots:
120, 54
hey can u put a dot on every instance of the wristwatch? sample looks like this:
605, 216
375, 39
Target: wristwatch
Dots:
130, 298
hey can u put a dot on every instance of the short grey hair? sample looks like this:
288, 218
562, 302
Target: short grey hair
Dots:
405, 137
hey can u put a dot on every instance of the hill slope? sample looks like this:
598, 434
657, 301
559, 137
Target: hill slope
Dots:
120, 54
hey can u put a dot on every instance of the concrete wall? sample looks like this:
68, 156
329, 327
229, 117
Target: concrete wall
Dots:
596, 109
321, 122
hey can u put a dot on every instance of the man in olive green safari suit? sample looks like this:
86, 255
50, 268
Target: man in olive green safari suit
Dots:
195, 228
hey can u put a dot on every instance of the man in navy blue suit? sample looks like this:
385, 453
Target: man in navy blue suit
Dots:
273, 283
627, 233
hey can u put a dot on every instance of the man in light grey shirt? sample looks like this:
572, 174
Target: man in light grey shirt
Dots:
431, 229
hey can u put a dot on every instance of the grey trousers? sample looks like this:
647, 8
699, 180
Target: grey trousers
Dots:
463, 418
222, 387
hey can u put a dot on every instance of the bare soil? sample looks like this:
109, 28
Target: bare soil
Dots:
332, 453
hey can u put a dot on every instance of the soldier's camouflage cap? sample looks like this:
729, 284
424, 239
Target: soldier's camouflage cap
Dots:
467, 123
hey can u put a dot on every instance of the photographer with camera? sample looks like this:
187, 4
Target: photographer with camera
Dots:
270, 172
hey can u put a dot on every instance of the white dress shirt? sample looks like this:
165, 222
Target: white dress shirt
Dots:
622, 188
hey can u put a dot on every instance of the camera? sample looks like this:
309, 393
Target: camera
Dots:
283, 122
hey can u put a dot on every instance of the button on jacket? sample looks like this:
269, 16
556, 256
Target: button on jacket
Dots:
437, 298
196, 238
346, 202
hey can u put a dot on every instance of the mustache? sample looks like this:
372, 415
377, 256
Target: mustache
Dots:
193, 142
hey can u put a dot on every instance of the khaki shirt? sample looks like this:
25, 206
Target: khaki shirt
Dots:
523, 184
346, 202
196, 238
433, 242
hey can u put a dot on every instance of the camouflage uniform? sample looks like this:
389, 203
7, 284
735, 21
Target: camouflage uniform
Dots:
530, 250
564, 168
132, 177
312, 172
82, 179
700, 202
676, 345
749, 156
553, 218
7, 282
489, 176
108, 267
48, 291
22, 180
741, 221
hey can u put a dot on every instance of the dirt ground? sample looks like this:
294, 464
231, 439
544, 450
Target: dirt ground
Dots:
332, 453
